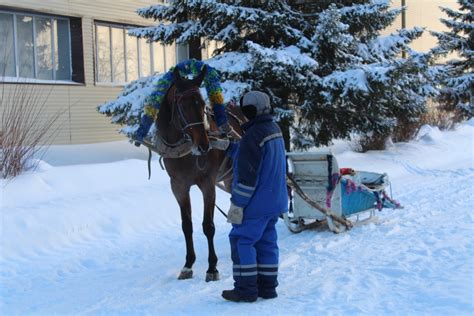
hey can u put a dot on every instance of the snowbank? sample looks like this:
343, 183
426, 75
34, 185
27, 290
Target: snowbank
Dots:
61, 155
99, 238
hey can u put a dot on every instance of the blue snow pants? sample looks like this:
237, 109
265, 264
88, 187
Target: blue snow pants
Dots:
254, 252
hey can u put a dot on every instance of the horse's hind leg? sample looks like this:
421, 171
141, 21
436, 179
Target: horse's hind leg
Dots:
181, 193
209, 194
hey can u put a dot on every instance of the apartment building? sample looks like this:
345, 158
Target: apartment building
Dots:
77, 52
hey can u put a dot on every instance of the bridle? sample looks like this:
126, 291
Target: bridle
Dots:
184, 124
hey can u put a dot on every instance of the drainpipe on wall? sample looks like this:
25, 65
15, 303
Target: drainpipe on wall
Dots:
404, 23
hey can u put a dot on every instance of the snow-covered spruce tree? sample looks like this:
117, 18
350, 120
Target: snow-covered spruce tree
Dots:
328, 71
457, 76
366, 86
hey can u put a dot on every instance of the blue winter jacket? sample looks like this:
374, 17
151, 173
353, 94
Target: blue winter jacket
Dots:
259, 162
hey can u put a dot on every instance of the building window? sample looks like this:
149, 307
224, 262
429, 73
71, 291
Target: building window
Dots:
121, 58
36, 46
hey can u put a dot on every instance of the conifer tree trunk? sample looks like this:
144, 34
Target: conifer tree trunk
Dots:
195, 49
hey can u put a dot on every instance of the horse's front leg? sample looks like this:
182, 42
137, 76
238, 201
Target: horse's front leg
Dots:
181, 193
209, 195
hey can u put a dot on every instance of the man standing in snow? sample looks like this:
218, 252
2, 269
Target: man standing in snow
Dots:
259, 196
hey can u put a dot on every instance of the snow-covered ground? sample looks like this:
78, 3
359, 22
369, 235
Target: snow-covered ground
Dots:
99, 238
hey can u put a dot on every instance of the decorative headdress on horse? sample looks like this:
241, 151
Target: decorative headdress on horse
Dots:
186, 68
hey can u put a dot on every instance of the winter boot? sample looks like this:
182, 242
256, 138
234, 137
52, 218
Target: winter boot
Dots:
267, 294
234, 296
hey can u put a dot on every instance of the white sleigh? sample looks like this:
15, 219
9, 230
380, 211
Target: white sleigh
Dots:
325, 194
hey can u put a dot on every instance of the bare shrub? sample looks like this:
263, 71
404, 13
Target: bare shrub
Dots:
444, 120
440, 113
366, 142
27, 128
445, 113
406, 130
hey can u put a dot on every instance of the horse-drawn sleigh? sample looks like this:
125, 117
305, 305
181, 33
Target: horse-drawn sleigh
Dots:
325, 193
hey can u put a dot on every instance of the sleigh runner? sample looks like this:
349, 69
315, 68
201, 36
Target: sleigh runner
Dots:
325, 193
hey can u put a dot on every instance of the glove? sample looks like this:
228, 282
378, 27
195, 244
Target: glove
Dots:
235, 215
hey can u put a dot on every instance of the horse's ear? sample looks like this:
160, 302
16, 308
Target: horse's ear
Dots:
177, 78
198, 80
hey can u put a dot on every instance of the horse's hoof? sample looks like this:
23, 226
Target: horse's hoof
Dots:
186, 273
212, 276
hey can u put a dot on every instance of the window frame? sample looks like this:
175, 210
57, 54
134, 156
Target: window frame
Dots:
151, 45
35, 79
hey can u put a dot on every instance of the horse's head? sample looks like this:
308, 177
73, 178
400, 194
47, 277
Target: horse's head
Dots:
189, 107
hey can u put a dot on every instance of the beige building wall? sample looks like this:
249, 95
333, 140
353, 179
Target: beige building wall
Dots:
427, 14
423, 13
80, 122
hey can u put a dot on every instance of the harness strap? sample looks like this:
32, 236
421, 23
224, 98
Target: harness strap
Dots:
166, 152
184, 147
220, 210
221, 173
149, 163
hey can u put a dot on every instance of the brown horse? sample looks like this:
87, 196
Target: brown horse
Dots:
183, 116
